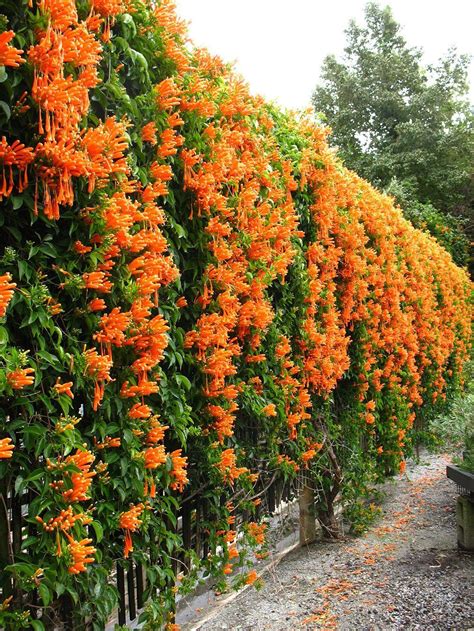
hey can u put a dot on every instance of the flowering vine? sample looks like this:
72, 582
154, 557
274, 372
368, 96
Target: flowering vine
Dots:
196, 298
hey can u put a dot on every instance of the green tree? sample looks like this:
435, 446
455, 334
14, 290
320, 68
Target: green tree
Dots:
406, 128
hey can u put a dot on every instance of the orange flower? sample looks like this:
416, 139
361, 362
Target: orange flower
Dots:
227, 466
110, 8
80, 248
145, 388
308, 455
313, 449
233, 552
151, 491
166, 94
257, 531
64, 521
97, 281
283, 347
6, 292
289, 461
251, 577
178, 472
170, 141
64, 388
54, 307
139, 410
369, 418
269, 410
149, 133
255, 359
81, 480
20, 378
108, 443
81, 553
112, 328
154, 457
130, 522
9, 56
156, 432
98, 367
96, 304
6, 448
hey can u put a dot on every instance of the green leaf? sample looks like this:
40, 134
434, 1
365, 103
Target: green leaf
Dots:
99, 531
19, 484
183, 381
17, 201
29, 541
3, 336
65, 403
48, 358
45, 594
6, 109
33, 251
36, 475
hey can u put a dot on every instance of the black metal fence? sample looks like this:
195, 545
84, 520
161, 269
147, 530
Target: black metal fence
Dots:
129, 579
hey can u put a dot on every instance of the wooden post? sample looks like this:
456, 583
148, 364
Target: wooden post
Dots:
307, 512
5, 580
122, 610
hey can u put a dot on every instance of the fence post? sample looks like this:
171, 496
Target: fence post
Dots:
5, 580
307, 505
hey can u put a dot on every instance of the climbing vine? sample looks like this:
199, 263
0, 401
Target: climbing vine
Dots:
194, 295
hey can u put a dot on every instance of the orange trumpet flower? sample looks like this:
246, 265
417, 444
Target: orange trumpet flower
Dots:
227, 466
154, 457
6, 448
64, 388
139, 410
81, 552
6, 292
130, 522
81, 480
9, 56
149, 133
156, 432
178, 472
20, 378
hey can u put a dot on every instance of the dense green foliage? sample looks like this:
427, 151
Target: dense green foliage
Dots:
455, 428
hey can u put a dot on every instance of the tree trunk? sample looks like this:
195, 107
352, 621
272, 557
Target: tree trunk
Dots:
307, 513
325, 509
327, 519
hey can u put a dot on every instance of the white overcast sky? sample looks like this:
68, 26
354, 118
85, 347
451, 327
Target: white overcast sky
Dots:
279, 45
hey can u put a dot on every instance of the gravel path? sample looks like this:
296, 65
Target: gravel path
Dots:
404, 573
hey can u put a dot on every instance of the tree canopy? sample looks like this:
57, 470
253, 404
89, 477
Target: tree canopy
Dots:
406, 127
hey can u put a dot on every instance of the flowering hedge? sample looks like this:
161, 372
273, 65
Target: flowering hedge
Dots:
194, 294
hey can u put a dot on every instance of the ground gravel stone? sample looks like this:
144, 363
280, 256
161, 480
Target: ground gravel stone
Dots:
405, 573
